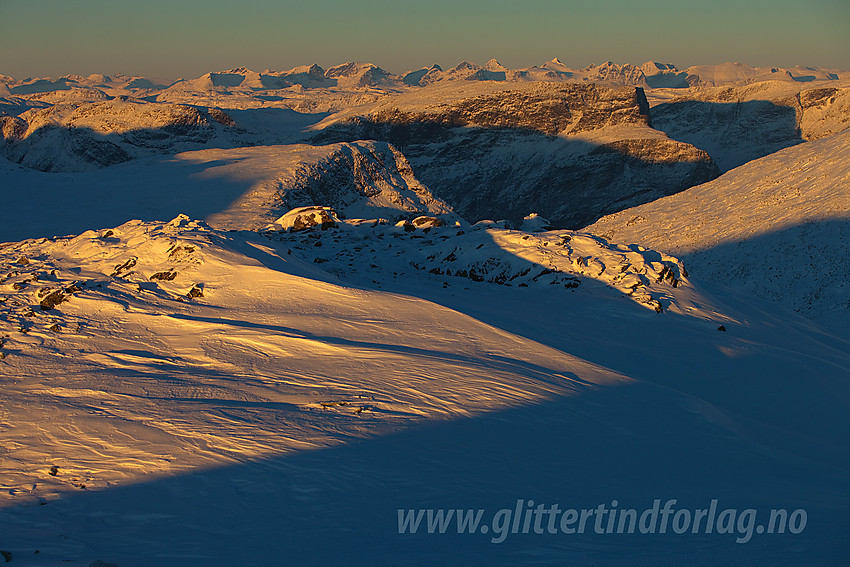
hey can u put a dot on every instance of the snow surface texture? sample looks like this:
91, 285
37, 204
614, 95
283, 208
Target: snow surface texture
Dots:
267, 386
777, 227
218, 398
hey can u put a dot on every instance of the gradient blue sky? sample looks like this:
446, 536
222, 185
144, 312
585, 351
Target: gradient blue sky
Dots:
171, 38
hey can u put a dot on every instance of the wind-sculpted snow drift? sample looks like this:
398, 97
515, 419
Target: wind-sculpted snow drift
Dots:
155, 372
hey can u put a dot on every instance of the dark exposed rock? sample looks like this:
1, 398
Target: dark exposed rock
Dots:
123, 267
166, 276
406, 225
221, 117
52, 299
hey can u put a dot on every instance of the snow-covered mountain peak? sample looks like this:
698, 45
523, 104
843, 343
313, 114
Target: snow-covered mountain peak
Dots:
465, 66
313, 70
652, 67
494, 65
348, 69
238, 71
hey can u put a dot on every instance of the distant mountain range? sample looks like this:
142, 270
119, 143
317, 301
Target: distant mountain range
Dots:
367, 75
494, 143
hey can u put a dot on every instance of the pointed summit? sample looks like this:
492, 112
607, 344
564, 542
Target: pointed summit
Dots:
465, 66
494, 65
423, 76
555, 65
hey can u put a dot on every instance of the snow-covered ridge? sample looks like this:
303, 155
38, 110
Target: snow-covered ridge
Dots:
166, 261
230, 188
487, 252
79, 137
358, 179
354, 75
39, 275
777, 227
361, 180
548, 108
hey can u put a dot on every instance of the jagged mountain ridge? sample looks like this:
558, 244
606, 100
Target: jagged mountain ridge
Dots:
353, 74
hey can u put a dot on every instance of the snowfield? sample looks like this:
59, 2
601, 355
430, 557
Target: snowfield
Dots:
236, 188
228, 340
231, 397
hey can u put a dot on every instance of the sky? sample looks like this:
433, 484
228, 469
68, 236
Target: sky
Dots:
167, 39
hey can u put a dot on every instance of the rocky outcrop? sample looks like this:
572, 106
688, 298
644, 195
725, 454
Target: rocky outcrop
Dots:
360, 179
303, 218
545, 108
569, 152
